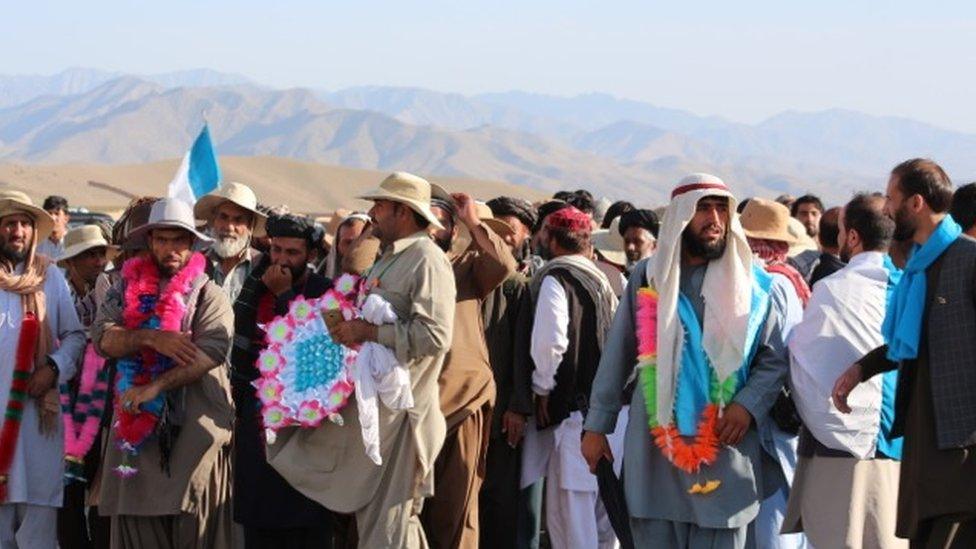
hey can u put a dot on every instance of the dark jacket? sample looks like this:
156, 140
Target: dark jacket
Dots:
262, 498
828, 265
949, 329
504, 314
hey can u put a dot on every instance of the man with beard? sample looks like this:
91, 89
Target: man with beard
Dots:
166, 479
928, 330
521, 216
508, 325
844, 492
328, 464
508, 320
481, 261
573, 305
233, 219
704, 325
272, 512
538, 239
639, 230
53, 245
41, 340
86, 253
807, 210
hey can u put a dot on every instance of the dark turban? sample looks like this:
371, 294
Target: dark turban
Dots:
291, 226
516, 207
644, 219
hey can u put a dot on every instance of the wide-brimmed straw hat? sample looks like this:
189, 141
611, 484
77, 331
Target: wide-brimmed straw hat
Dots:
81, 239
236, 193
767, 219
610, 243
168, 213
803, 241
408, 189
17, 202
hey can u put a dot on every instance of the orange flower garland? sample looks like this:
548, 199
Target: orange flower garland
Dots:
690, 457
704, 450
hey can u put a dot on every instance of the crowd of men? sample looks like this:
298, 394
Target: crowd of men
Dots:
716, 372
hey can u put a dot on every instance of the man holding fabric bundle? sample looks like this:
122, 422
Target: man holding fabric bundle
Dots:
329, 464
705, 327
929, 333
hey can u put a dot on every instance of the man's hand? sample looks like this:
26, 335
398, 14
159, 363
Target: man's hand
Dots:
42, 379
467, 211
352, 333
733, 424
136, 396
176, 345
277, 279
542, 411
513, 425
844, 385
595, 447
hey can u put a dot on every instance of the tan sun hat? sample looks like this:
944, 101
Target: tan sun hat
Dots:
236, 193
408, 189
17, 202
81, 239
767, 219
168, 213
803, 241
610, 244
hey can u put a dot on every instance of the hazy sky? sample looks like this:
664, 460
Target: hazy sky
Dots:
744, 60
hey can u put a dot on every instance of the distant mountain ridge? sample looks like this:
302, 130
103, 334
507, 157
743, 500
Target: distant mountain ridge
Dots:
16, 89
616, 147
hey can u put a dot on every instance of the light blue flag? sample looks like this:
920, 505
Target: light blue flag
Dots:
199, 174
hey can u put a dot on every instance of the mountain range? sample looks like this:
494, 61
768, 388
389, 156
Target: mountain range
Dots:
615, 147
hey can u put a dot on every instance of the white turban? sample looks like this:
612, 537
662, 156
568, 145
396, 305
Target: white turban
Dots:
727, 291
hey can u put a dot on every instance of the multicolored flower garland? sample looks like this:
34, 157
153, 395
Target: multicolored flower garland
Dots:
82, 424
305, 376
147, 308
30, 330
704, 450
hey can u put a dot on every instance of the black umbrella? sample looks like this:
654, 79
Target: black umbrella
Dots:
612, 494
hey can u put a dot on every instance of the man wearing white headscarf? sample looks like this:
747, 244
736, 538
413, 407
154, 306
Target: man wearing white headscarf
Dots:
700, 329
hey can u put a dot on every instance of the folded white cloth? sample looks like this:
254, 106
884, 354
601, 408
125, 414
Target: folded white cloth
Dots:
377, 373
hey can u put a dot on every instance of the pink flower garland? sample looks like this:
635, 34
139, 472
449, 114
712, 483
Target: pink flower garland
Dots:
92, 391
142, 279
277, 362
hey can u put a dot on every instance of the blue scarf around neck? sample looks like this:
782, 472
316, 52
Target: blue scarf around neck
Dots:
696, 373
902, 326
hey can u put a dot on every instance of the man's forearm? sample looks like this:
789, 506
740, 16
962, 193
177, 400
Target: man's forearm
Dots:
178, 376
118, 342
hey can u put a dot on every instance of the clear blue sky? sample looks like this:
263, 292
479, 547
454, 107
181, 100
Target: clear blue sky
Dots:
744, 60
